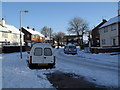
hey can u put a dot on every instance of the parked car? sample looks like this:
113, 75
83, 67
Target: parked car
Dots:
70, 49
34, 42
41, 54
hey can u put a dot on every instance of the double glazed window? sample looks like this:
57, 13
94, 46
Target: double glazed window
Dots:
103, 41
4, 35
113, 27
105, 29
47, 52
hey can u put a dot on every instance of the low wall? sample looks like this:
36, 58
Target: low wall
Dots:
0, 50
10, 49
104, 50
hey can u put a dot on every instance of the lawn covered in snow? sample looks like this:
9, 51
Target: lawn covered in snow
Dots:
16, 74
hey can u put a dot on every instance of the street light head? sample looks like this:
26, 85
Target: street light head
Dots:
26, 11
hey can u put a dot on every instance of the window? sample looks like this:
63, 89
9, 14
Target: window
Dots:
105, 29
113, 27
15, 36
119, 12
38, 52
47, 52
28, 36
32, 36
4, 35
114, 42
103, 41
37, 36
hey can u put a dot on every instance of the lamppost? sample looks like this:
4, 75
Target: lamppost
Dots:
26, 11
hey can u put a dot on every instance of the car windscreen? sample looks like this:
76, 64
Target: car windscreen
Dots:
72, 47
47, 52
38, 52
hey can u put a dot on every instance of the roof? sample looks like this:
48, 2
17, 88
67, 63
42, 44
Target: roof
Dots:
9, 28
4, 29
13, 29
70, 45
33, 32
111, 21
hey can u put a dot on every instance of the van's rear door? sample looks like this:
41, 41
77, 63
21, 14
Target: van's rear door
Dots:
48, 55
38, 55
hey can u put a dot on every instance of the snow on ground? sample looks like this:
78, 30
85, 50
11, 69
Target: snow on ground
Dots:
102, 70
16, 74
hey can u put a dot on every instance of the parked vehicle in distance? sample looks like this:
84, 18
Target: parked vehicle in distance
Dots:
41, 54
34, 42
70, 49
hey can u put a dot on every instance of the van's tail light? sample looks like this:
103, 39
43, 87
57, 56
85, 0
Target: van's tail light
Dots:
54, 58
30, 59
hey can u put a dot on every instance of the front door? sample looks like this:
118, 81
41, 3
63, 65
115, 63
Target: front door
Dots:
38, 55
48, 55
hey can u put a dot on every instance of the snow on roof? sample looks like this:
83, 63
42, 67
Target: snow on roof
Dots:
70, 44
3, 29
111, 21
9, 28
13, 29
33, 32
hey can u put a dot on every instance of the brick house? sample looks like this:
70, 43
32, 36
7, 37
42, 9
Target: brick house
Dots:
31, 35
95, 41
73, 39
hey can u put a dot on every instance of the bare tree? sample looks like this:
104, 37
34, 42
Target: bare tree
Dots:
47, 31
79, 26
59, 37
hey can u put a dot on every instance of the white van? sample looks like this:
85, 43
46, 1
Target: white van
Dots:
41, 54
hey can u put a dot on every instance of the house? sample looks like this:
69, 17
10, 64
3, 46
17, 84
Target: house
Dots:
9, 35
31, 35
95, 41
73, 39
110, 33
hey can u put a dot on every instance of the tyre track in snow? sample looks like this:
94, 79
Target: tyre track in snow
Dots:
85, 63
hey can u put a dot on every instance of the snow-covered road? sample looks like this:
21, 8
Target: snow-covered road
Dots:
97, 68
102, 71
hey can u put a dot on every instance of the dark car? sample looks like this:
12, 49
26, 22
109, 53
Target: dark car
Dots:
34, 42
70, 49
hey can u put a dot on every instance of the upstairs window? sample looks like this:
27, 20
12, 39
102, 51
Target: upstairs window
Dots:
113, 27
105, 29
4, 35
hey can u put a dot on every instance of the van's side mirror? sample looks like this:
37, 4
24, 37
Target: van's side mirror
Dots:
28, 52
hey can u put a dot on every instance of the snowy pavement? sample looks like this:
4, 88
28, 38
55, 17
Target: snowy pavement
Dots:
100, 67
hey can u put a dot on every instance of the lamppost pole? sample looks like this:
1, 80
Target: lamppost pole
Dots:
21, 32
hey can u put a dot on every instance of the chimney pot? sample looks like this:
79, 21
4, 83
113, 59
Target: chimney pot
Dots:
33, 29
28, 27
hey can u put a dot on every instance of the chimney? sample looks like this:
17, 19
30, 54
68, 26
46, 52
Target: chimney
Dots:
28, 27
104, 20
3, 22
33, 29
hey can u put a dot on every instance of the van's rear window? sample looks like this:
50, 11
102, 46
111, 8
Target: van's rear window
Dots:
38, 52
47, 52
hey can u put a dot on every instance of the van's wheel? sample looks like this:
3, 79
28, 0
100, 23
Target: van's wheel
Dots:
31, 66
52, 66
